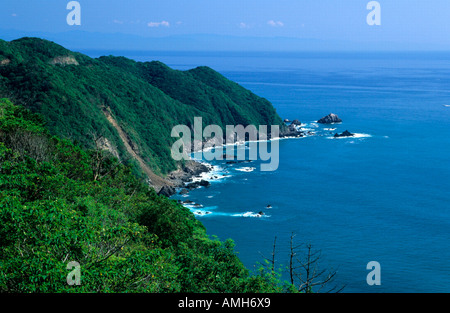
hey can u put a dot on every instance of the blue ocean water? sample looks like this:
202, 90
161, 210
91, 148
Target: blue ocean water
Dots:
383, 196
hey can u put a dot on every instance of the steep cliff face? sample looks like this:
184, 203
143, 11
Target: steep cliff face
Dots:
145, 100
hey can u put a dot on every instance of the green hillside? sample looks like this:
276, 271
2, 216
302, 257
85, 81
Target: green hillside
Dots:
58, 205
77, 94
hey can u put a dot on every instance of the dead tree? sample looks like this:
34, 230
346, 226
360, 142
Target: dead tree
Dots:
271, 261
306, 275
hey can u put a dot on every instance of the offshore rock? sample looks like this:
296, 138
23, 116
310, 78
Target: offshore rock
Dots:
330, 119
201, 183
344, 134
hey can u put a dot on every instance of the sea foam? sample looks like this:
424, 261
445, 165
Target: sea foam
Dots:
250, 214
355, 136
245, 169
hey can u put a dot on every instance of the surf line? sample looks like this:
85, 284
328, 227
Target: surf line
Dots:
257, 138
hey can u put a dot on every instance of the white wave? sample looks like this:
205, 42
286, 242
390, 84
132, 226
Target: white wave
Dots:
358, 135
193, 206
250, 214
201, 211
246, 169
216, 173
355, 135
312, 124
447, 105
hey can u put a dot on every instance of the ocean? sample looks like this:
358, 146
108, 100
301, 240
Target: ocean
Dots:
381, 196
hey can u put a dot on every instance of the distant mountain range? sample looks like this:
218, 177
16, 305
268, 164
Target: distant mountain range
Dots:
82, 40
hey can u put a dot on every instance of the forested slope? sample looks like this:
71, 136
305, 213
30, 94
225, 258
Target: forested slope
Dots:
59, 204
73, 92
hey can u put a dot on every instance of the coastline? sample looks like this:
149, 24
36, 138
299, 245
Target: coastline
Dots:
196, 173
191, 175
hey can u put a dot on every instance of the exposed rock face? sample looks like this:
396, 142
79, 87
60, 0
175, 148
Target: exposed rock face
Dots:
105, 144
292, 131
167, 191
64, 60
296, 122
344, 134
330, 119
185, 174
5, 62
202, 183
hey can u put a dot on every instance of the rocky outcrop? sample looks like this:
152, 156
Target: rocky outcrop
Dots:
293, 130
197, 184
330, 119
5, 62
344, 134
185, 174
64, 60
167, 191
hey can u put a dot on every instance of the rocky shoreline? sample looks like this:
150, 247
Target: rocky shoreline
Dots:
189, 175
184, 176
193, 174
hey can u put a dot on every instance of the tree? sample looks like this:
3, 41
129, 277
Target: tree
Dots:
305, 274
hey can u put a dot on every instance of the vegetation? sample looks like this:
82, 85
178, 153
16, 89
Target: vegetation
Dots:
73, 91
126, 238
64, 198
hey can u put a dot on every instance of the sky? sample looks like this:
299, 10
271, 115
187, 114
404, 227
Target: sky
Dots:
415, 23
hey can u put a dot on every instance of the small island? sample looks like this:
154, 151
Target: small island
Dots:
330, 119
344, 134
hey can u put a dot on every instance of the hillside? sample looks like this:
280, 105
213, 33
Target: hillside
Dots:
126, 107
57, 207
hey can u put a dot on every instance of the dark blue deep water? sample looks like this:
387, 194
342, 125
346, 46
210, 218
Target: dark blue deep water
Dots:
383, 196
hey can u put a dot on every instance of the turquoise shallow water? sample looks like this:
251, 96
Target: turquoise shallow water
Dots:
384, 196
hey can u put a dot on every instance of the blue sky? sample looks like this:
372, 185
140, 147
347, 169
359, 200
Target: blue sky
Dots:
419, 22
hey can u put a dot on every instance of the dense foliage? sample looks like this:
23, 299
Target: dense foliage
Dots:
72, 92
126, 238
